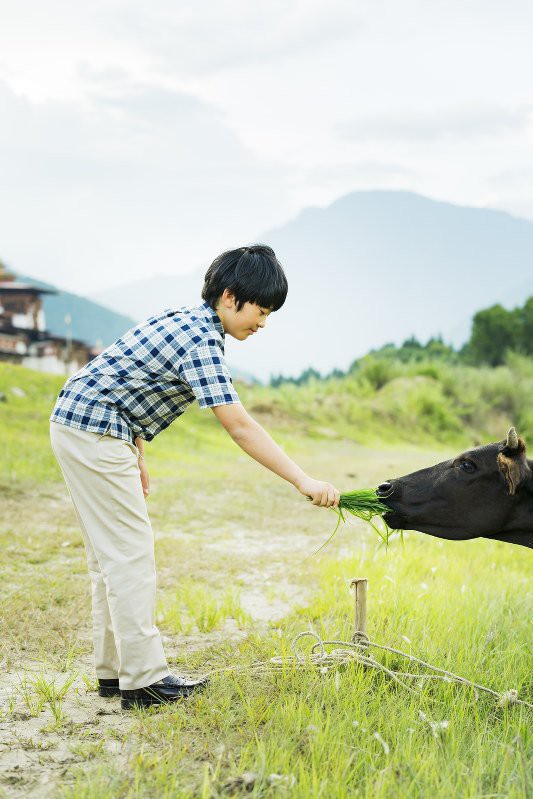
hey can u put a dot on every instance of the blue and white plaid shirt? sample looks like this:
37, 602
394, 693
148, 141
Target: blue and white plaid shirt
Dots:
149, 377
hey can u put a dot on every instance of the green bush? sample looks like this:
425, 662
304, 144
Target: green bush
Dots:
382, 399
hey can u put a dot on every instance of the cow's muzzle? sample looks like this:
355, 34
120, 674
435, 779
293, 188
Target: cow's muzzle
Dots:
388, 490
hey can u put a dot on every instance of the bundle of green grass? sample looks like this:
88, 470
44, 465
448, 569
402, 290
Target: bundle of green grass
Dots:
366, 505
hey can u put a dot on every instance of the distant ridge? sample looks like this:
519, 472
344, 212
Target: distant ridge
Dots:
91, 322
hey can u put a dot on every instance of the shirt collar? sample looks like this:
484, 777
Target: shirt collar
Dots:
214, 317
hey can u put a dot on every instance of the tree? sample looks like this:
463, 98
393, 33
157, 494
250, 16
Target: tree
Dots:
526, 332
494, 331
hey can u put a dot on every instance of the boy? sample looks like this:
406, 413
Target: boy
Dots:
126, 396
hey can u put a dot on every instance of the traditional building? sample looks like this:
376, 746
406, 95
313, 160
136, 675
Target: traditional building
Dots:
23, 335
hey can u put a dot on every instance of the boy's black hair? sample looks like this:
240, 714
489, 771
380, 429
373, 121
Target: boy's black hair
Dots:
252, 274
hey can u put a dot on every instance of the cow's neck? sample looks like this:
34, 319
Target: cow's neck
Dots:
519, 528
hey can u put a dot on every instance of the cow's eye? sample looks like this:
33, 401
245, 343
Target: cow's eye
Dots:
467, 466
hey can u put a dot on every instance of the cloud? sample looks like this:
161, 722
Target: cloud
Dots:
214, 36
138, 128
360, 170
144, 180
454, 124
513, 178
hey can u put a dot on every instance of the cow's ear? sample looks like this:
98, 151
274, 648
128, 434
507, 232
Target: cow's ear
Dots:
513, 464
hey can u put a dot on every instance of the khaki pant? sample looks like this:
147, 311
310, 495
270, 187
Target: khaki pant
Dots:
102, 477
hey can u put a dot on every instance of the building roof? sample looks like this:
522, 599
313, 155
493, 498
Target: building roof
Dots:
8, 287
41, 335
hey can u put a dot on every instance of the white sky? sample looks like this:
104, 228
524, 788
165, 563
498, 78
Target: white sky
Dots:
141, 138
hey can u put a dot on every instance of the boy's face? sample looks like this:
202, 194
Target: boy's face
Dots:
244, 323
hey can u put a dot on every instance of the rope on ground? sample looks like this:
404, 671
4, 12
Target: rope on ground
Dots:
356, 651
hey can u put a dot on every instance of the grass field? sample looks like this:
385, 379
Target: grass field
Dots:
237, 582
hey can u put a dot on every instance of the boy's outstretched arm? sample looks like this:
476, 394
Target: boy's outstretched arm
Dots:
257, 443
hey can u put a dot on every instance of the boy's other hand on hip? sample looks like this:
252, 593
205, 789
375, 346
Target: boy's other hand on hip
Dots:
323, 494
145, 480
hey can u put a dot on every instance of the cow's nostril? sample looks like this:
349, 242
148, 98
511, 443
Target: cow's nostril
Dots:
383, 489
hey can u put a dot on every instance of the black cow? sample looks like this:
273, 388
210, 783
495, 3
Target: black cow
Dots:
486, 491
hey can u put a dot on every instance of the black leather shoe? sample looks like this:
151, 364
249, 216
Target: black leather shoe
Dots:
108, 687
167, 690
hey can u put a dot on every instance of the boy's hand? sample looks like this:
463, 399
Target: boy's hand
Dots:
323, 494
145, 480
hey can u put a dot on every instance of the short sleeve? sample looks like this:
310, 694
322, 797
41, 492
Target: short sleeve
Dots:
204, 369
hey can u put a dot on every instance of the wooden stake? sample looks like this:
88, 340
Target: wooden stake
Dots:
359, 586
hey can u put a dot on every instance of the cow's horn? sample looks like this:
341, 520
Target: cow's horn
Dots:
512, 439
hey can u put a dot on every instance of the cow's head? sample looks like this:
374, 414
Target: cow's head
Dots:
486, 491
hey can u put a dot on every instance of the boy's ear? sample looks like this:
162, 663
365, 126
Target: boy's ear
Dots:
227, 298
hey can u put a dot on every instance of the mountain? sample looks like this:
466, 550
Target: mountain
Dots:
91, 322
373, 267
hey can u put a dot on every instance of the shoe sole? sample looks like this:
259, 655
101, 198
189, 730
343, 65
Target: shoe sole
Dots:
151, 701
129, 704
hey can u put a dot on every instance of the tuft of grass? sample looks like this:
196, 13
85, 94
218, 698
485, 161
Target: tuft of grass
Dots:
363, 503
32, 699
36, 691
88, 750
195, 604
